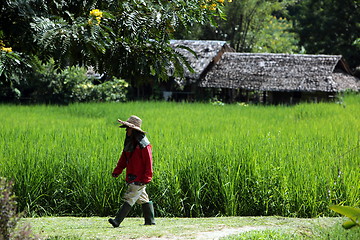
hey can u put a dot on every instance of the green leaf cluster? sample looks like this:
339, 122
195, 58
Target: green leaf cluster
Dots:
245, 26
128, 39
276, 37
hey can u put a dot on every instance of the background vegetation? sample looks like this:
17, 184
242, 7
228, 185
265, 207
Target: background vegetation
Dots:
209, 160
9, 217
125, 39
288, 26
129, 40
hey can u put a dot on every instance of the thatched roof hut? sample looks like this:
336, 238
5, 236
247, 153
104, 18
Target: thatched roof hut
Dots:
281, 73
206, 53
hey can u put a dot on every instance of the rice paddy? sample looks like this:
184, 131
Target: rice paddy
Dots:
231, 160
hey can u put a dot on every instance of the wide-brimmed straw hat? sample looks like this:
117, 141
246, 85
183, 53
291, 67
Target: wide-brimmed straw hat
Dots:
133, 122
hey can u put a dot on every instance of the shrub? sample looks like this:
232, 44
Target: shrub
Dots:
114, 90
53, 85
8, 216
63, 86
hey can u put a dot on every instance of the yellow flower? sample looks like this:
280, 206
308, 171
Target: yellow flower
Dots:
6, 49
220, 1
98, 19
203, 6
230, 1
96, 13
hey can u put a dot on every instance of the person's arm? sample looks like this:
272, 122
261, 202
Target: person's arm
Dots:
120, 165
147, 159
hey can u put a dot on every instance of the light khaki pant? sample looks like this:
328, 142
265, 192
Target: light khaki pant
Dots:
136, 194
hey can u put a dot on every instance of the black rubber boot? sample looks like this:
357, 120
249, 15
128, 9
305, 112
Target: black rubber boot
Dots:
148, 210
120, 215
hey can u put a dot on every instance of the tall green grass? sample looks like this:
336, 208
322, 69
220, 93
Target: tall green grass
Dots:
208, 160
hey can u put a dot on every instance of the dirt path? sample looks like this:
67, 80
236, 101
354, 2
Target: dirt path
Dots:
212, 235
227, 231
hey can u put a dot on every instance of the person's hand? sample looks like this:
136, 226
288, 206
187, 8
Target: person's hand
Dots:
115, 175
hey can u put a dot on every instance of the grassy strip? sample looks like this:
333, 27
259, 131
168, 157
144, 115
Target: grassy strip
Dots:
193, 228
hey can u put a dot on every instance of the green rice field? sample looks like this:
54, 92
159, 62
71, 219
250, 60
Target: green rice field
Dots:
231, 160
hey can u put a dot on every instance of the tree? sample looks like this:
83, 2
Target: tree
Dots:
128, 39
244, 25
276, 37
141, 50
329, 27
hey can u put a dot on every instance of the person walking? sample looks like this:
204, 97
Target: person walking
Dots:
136, 157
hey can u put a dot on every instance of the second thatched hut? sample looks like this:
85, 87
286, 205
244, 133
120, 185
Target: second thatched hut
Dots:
279, 78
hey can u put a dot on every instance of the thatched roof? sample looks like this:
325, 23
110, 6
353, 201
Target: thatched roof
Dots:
281, 72
206, 52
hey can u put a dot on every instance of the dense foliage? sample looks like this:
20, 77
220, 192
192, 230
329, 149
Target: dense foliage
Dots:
329, 27
309, 26
243, 160
130, 39
250, 23
125, 39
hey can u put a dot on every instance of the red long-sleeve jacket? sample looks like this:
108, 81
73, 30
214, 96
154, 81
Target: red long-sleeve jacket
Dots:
138, 165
